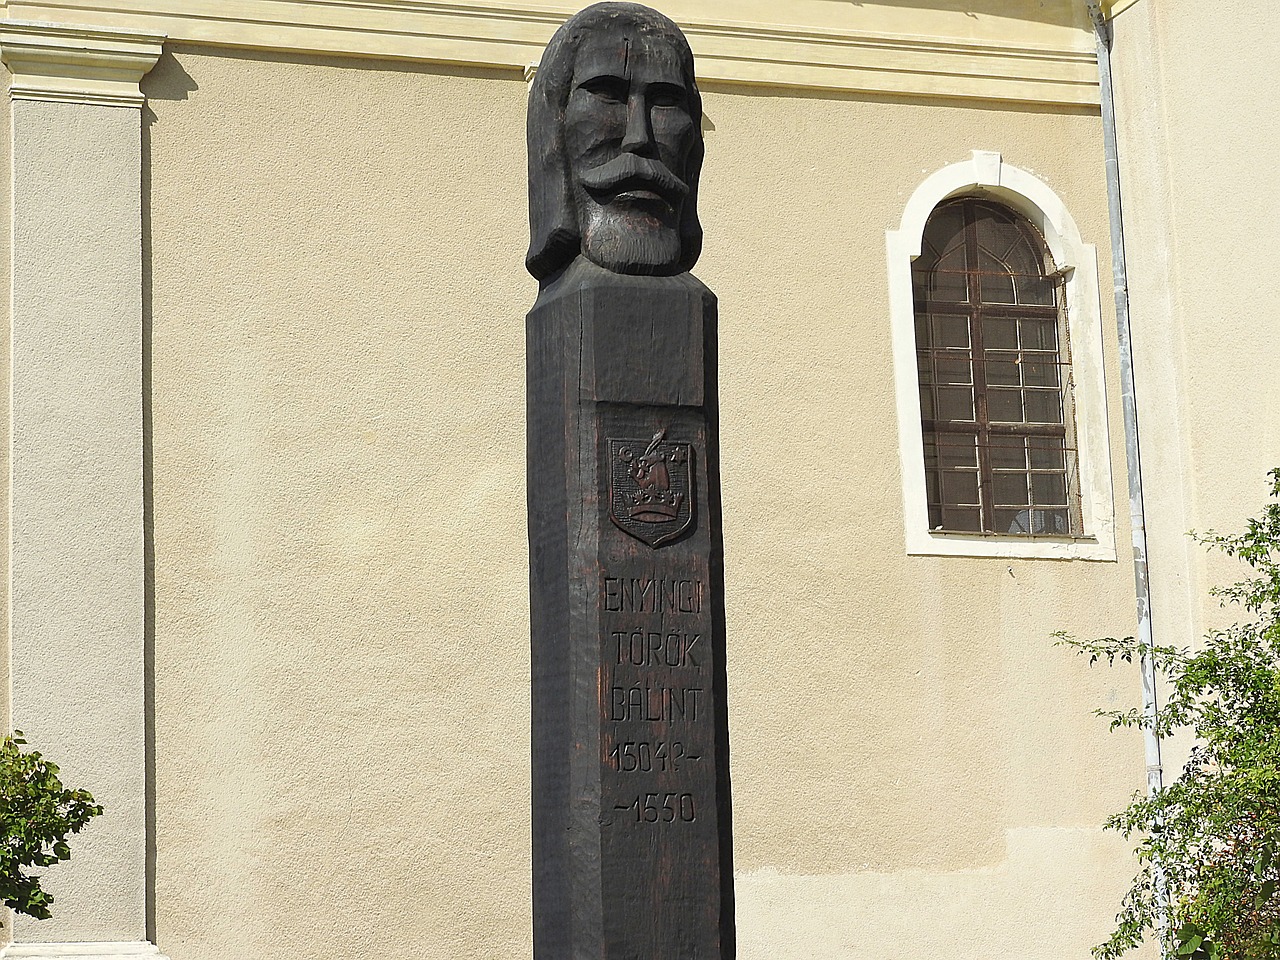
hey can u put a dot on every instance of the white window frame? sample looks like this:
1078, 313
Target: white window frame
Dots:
986, 175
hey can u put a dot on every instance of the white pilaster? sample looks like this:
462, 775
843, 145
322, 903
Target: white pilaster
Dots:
77, 598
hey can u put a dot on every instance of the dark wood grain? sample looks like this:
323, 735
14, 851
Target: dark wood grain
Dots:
615, 146
632, 832
632, 852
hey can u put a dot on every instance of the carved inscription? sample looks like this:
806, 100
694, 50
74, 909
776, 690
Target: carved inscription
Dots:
651, 648
644, 756
652, 595
662, 808
653, 703
657, 708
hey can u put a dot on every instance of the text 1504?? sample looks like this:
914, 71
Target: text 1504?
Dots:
643, 756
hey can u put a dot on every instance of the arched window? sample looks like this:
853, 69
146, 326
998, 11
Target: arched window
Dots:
997, 331
994, 364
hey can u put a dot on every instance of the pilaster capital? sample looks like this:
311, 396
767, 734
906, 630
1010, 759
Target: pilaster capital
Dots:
74, 64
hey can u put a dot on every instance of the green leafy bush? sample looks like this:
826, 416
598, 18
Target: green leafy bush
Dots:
1208, 844
36, 815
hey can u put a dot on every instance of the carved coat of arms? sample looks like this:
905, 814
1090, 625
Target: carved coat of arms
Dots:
651, 488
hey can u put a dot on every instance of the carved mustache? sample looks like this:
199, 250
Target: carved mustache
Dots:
631, 171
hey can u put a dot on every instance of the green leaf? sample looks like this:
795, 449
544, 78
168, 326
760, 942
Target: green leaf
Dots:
1208, 844
1190, 944
37, 814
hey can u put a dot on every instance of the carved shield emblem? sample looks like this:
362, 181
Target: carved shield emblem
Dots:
651, 488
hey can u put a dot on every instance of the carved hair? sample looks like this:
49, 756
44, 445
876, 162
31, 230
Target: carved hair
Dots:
553, 220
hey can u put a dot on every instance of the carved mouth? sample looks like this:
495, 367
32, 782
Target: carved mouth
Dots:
637, 191
639, 194
633, 179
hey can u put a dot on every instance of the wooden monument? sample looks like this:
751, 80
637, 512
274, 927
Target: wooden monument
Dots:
631, 815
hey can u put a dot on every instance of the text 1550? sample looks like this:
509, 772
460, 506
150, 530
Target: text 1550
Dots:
661, 808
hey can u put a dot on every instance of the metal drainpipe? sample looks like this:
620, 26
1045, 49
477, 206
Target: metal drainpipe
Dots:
1137, 511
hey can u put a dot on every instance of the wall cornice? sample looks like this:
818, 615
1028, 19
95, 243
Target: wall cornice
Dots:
512, 34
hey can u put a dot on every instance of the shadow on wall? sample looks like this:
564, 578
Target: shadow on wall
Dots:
166, 81
1001, 107
175, 85
1062, 12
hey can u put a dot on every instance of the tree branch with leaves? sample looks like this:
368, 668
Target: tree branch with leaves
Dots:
1210, 840
37, 813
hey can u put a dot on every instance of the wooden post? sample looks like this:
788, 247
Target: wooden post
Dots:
632, 849
632, 853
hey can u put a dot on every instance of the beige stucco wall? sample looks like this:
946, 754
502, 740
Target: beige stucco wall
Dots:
1196, 105
341, 652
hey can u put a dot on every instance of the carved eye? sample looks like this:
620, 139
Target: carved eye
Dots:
609, 89
666, 96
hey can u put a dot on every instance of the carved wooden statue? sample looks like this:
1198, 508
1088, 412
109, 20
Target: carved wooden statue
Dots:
631, 835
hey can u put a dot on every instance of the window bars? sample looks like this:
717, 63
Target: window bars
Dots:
995, 373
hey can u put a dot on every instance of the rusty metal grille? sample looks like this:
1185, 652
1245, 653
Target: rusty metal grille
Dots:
995, 374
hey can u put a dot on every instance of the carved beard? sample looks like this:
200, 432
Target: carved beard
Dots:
629, 238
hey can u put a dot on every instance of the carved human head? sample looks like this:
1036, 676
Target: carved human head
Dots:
615, 146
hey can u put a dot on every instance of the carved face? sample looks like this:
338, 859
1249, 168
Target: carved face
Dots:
628, 134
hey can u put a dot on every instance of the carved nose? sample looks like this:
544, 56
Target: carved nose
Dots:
637, 137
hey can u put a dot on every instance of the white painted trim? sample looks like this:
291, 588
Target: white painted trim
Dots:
76, 573
1113, 7
986, 174
83, 951
1059, 68
77, 64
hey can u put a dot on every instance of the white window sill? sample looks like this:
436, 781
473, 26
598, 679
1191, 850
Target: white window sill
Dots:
930, 544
